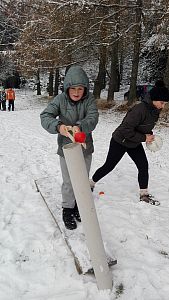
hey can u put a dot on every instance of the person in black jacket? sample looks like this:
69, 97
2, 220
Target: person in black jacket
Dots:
136, 128
2, 98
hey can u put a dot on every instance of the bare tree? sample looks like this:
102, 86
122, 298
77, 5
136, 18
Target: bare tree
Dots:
136, 53
100, 82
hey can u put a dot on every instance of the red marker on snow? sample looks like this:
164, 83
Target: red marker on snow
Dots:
80, 137
101, 193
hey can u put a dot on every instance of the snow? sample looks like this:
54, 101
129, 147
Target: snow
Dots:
35, 262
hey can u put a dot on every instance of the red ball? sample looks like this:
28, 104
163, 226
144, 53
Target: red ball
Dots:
80, 137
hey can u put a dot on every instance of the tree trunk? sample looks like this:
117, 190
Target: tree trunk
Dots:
166, 74
50, 86
121, 60
38, 85
135, 62
100, 82
56, 88
114, 82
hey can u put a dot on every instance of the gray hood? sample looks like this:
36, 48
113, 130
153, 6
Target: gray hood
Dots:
76, 76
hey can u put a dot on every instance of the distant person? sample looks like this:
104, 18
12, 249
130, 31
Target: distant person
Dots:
10, 96
2, 98
136, 128
75, 107
148, 86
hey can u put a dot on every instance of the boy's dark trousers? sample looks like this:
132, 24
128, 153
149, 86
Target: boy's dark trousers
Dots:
11, 104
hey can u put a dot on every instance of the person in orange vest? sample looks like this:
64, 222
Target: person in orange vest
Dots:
10, 96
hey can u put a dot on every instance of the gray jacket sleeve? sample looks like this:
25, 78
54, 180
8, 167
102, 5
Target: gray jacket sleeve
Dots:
48, 116
90, 121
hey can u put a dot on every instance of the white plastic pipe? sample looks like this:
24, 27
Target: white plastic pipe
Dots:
81, 187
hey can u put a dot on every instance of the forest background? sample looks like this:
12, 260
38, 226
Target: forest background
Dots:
121, 42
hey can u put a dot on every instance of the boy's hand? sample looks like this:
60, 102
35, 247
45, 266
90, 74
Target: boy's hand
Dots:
63, 130
75, 129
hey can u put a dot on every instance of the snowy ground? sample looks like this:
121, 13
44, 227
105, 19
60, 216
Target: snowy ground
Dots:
35, 263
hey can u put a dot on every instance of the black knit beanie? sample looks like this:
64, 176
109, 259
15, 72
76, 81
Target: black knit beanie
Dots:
159, 94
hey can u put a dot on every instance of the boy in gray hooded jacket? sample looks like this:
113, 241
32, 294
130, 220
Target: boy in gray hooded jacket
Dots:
75, 107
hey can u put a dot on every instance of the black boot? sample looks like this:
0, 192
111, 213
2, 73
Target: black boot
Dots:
68, 218
76, 213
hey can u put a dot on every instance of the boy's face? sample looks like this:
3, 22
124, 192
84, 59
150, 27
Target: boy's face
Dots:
159, 104
76, 93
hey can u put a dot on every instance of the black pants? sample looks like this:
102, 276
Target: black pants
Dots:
3, 104
115, 153
11, 104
